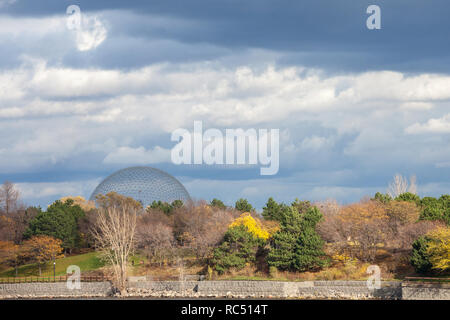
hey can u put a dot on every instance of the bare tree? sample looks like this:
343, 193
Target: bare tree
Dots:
114, 234
9, 197
200, 227
156, 239
398, 186
355, 230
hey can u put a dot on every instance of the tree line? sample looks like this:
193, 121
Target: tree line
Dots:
398, 230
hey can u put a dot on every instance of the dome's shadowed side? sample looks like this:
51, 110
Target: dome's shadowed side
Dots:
144, 184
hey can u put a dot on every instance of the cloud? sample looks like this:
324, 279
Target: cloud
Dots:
128, 155
51, 191
314, 143
345, 117
4, 3
439, 125
57, 118
91, 34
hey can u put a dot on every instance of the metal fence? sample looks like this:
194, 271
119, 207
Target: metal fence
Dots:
32, 279
427, 279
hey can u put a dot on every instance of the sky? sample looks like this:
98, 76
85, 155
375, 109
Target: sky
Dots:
353, 106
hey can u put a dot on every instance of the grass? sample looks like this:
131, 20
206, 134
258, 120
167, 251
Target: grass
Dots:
87, 262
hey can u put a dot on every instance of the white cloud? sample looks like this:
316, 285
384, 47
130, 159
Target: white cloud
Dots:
416, 106
53, 114
91, 34
314, 143
127, 155
439, 125
32, 191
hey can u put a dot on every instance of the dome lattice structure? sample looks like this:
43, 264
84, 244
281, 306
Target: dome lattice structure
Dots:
144, 184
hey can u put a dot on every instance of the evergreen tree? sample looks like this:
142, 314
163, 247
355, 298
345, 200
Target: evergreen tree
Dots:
217, 204
272, 210
297, 246
238, 248
383, 198
408, 196
60, 221
301, 206
420, 258
243, 205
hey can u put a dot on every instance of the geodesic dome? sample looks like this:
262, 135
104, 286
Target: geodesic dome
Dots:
144, 184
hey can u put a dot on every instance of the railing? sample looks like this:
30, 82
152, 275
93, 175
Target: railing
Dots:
32, 279
427, 279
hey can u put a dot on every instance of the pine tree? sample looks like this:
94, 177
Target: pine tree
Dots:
272, 210
297, 246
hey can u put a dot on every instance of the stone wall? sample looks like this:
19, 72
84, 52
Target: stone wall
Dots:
238, 289
57, 289
423, 291
258, 289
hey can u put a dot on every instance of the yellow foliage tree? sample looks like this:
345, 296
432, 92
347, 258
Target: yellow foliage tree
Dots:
439, 249
253, 225
82, 202
43, 249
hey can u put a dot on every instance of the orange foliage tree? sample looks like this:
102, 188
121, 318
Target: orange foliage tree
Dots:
42, 249
10, 254
362, 228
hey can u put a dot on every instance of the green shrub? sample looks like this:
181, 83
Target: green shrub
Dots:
408, 196
420, 258
238, 248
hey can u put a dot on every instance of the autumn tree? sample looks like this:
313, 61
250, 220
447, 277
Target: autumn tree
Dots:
59, 221
84, 204
156, 240
357, 229
43, 249
115, 236
438, 249
10, 254
400, 213
113, 199
201, 227
154, 235
6, 228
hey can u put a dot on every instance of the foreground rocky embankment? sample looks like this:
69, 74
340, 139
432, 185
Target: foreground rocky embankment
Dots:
391, 290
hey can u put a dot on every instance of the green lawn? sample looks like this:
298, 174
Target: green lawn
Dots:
86, 262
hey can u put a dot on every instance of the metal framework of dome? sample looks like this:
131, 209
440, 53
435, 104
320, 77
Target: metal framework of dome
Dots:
144, 184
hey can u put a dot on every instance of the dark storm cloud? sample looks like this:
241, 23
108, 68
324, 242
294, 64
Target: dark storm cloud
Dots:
329, 34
